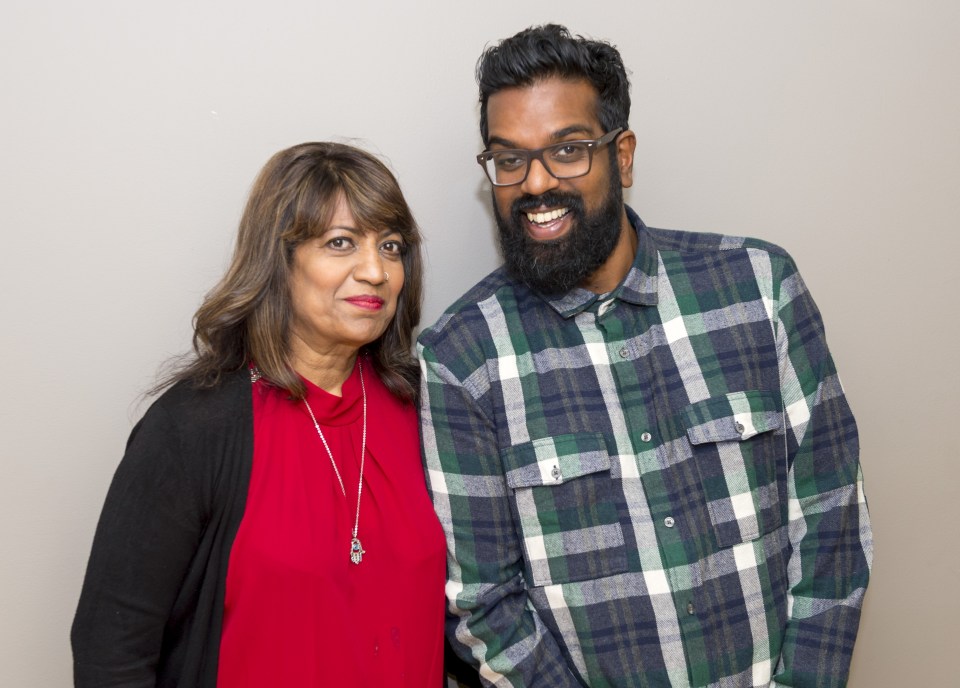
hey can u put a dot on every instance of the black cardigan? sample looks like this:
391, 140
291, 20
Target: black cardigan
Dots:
151, 608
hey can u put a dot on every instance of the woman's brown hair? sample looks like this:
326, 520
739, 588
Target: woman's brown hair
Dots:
247, 316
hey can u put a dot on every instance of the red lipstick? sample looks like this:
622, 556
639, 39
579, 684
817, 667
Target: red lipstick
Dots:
367, 302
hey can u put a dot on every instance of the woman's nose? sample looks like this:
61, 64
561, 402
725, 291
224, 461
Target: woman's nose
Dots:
369, 266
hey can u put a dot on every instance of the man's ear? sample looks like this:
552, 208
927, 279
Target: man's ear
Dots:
626, 145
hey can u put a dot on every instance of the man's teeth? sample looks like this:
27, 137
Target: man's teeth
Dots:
540, 218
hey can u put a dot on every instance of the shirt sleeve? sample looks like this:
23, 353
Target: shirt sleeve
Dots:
146, 537
829, 527
492, 625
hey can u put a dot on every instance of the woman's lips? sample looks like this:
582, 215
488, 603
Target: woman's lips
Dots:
371, 303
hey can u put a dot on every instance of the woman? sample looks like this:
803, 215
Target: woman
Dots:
269, 523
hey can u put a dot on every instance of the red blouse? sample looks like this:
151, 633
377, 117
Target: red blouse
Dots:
298, 612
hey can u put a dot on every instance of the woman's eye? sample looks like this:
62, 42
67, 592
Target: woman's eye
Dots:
340, 243
392, 248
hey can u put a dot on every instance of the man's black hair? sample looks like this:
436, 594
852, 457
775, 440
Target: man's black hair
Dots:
541, 52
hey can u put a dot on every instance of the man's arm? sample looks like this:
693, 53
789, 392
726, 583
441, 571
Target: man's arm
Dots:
494, 626
829, 528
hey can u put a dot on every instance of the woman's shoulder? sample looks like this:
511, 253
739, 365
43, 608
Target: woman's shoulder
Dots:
378, 391
192, 434
232, 389
187, 408
392, 419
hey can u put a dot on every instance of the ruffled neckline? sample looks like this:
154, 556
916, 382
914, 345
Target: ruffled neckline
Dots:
330, 409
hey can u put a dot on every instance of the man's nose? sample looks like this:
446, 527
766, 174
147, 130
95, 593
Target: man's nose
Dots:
538, 180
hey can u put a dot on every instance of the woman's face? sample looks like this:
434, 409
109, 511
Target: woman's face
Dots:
341, 294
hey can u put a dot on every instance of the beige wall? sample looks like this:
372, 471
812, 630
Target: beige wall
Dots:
130, 136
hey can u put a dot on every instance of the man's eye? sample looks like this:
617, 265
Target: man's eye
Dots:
509, 161
570, 152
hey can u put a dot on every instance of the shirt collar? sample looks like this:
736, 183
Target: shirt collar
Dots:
639, 287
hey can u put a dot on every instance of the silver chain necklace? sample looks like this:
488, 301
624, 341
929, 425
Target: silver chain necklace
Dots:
356, 549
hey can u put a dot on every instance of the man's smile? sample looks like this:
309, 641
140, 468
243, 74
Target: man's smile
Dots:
541, 218
549, 224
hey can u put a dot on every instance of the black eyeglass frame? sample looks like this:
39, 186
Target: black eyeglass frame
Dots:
537, 154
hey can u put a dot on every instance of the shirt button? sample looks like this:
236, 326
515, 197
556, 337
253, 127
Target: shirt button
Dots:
668, 521
556, 473
738, 427
623, 352
604, 307
690, 609
646, 437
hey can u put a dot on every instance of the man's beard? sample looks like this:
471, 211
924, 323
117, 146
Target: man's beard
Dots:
556, 267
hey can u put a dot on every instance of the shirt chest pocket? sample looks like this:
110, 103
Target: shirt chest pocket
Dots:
564, 502
740, 456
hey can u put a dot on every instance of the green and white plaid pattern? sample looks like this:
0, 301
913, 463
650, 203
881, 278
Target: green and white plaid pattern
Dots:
659, 487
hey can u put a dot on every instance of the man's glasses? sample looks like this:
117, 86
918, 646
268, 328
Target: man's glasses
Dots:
562, 160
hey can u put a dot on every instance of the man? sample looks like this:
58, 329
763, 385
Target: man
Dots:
635, 438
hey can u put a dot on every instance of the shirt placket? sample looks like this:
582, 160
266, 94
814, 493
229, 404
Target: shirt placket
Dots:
625, 328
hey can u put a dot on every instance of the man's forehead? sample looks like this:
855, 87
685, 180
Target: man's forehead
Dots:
547, 109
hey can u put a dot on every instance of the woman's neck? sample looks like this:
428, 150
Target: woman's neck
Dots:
328, 370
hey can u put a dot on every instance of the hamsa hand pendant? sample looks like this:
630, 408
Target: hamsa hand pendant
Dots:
356, 551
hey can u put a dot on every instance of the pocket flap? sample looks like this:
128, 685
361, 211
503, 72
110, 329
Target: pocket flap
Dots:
733, 416
553, 460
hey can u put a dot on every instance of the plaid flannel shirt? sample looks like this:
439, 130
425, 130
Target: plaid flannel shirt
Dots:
657, 487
